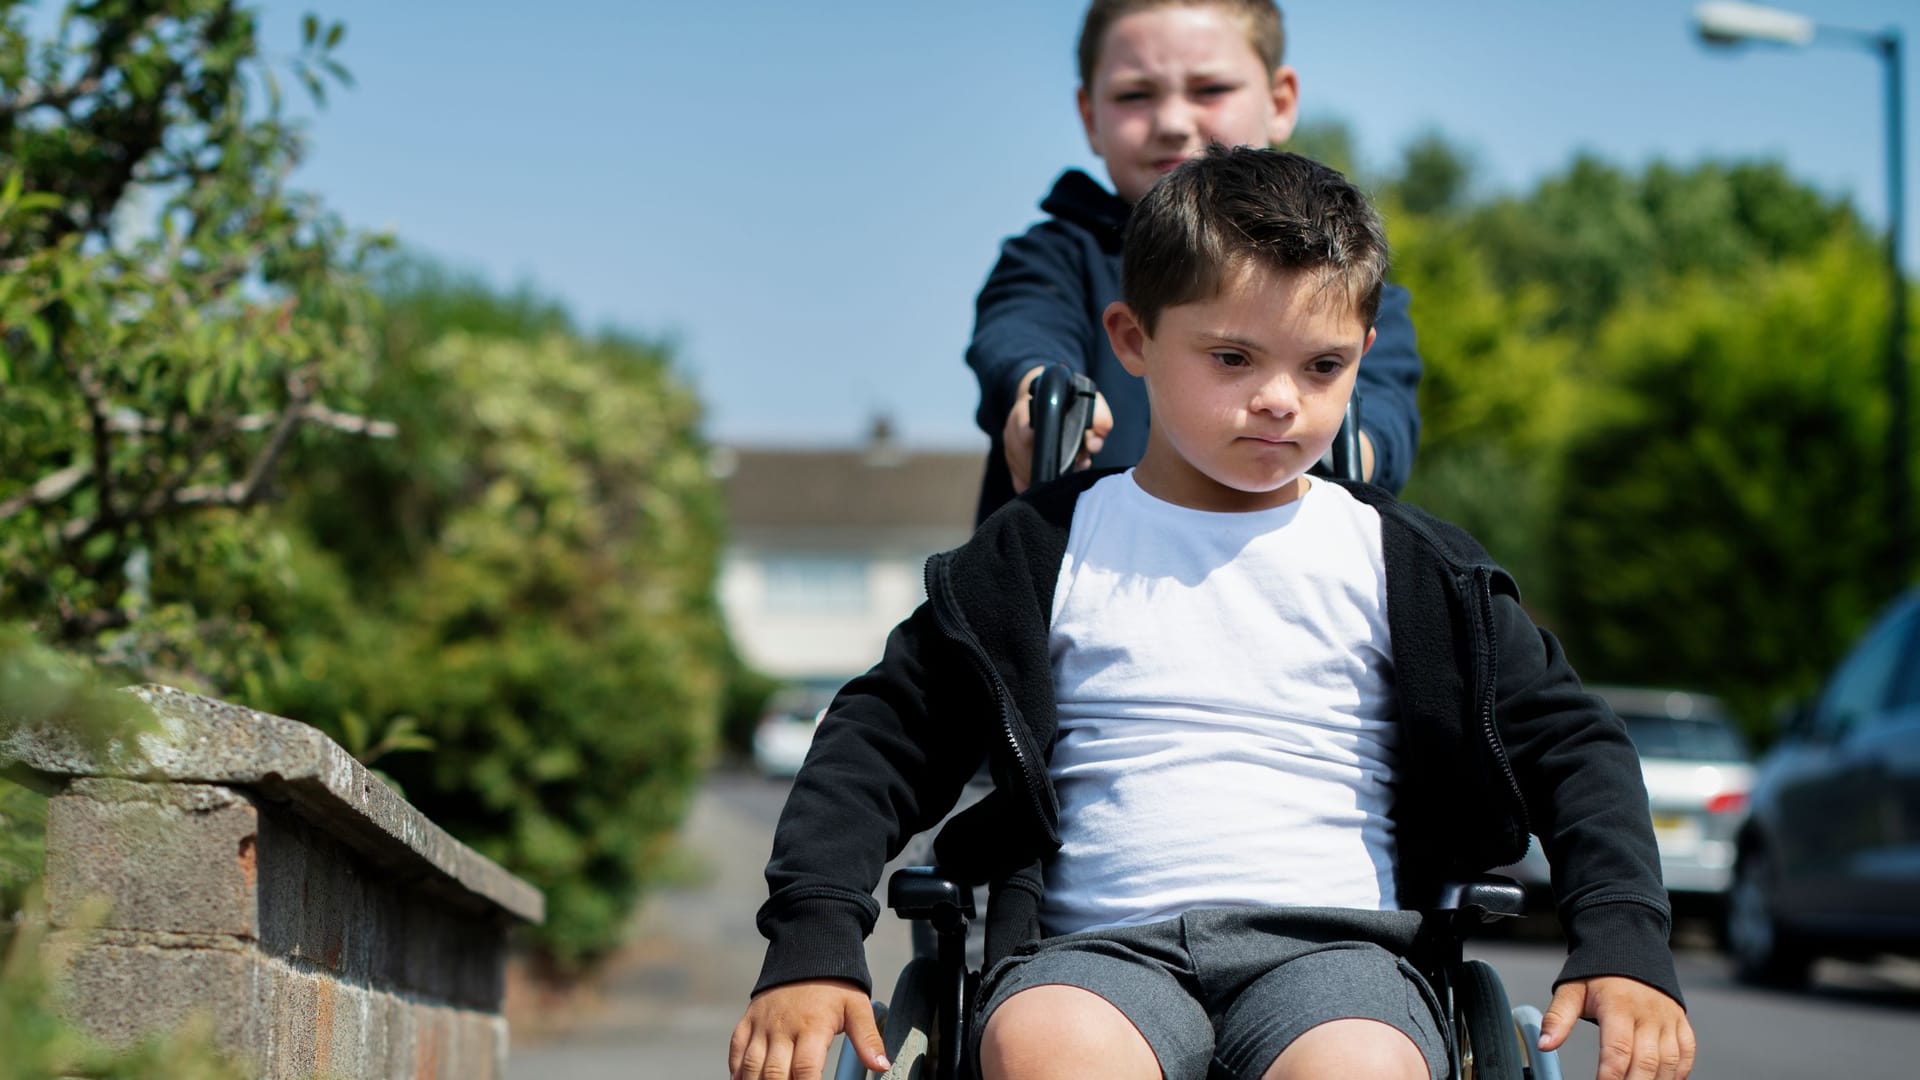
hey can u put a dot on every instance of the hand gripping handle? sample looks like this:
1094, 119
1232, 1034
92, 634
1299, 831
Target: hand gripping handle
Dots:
1061, 408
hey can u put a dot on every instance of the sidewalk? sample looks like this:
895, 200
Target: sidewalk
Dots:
671, 999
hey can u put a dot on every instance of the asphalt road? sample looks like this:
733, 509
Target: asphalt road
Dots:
673, 999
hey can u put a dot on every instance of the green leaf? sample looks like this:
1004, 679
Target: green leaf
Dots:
42, 336
310, 27
312, 83
339, 72
199, 388
338, 31
353, 733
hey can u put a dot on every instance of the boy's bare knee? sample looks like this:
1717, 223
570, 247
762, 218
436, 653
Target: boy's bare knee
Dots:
1340, 1048
1063, 1031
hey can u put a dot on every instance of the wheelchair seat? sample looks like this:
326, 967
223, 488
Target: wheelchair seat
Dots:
926, 1022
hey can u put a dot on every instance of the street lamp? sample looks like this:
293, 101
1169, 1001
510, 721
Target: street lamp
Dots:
1726, 24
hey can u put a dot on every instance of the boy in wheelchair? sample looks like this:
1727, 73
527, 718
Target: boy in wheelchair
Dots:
1241, 722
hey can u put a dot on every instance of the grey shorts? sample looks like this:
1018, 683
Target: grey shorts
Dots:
1228, 990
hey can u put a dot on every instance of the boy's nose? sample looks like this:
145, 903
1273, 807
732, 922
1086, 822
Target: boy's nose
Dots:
1275, 397
1173, 119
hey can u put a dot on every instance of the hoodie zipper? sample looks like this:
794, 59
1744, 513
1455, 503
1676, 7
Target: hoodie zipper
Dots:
1483, 590
957, 631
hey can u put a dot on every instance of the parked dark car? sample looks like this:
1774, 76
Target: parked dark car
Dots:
1829, 862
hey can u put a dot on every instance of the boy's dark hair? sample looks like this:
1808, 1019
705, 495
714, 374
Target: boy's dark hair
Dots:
1265, 30
1233, 208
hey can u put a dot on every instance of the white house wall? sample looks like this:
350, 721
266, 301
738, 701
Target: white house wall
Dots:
830, 642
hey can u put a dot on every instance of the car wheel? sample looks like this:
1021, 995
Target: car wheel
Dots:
1762, 952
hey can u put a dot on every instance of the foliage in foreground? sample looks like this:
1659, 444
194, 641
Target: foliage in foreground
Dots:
41, 688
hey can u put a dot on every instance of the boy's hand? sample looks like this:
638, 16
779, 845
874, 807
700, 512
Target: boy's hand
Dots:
787, 1030
1643, 1032
1016, 438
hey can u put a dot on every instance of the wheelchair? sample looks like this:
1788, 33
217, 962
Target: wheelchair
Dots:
926, 1023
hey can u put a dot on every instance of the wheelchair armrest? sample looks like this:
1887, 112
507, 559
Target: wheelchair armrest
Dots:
1484, 899
920, 892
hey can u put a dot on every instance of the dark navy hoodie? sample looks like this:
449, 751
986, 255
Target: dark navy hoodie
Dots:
1043, 304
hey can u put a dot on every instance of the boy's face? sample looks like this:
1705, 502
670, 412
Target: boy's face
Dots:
1172, 80
1247, 389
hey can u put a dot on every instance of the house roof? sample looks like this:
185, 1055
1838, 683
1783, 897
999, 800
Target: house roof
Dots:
880, 486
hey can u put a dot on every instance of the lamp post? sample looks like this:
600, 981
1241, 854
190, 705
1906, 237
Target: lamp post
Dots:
1727, 24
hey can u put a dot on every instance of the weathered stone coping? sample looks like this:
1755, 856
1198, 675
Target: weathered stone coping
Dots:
202, 740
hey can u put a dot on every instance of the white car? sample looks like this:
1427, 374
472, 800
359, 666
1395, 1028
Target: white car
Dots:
1698, 773
781, 740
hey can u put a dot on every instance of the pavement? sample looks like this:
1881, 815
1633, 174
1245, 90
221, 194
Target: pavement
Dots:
668, 1003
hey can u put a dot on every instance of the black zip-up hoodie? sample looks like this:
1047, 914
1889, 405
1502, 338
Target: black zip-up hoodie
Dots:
1497, 740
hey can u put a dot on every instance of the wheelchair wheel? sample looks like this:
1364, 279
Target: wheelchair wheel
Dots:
910, 1033
1490, 1046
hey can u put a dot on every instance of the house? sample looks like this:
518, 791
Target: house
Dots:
826, 549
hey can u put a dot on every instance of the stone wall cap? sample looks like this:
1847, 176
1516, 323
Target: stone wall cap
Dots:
207, 741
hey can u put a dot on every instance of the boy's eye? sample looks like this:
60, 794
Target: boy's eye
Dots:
1132, 95
1229, 358
1214, 90
1326, 365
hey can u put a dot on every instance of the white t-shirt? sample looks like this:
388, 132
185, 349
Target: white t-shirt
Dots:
1225, 705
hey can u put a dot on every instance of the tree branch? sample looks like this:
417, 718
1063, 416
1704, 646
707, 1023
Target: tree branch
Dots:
312, 412
50, 488
241, 493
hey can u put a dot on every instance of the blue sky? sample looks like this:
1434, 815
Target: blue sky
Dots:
804, 198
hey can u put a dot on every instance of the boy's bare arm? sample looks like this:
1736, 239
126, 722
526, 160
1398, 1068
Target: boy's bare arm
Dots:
1644, 1034
787, 1030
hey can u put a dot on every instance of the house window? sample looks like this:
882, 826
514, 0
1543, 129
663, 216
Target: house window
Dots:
801, 584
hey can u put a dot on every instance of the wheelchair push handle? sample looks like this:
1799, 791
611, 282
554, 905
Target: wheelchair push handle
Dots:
1343, 457
1060, 405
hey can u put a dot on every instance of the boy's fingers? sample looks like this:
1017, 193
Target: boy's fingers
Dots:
753, 1059
864, 1035
810, 1057
1568, 1002
1102, 417
737, 1047
779, 1064
1616, 1053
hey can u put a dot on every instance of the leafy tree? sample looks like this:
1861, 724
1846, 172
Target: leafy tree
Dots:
498, 533
1435, 176
171, 319
1656, 397
1729, 515
525, 572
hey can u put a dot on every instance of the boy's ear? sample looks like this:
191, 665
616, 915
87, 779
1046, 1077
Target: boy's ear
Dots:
1368, 346
1286, 105
1085, 105
1127, 336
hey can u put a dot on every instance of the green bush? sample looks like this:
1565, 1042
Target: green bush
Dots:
526, 573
